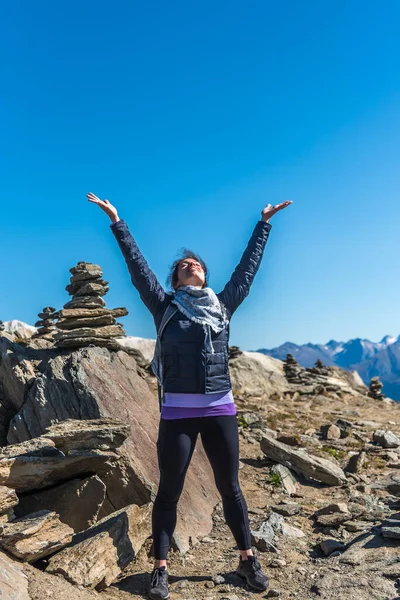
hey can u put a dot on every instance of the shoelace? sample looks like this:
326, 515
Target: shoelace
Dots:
255, 565
157, 573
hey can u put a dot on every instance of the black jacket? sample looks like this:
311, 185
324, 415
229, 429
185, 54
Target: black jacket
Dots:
187, 367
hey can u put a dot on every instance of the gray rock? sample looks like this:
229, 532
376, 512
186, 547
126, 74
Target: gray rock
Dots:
288, 509
329, 545
287, 479
300, 461
386, 439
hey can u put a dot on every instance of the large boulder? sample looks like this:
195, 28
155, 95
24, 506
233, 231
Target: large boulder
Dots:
93, 383
256, 374
96, 557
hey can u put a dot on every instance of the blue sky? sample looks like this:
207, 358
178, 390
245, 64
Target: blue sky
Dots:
190, 117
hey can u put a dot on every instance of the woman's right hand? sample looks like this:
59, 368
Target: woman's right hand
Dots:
105, 205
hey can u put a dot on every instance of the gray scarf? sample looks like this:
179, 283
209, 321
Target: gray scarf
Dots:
200, 305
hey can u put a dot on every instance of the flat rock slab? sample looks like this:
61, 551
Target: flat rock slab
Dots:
13, 581
35, 536
77, 502
24, 473
88, 332
73, 434
301, 462
39, 446
97, 556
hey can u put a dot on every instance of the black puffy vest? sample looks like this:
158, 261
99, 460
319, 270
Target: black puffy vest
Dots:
187, 366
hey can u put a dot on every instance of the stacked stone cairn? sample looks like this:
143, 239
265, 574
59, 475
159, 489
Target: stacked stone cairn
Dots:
293, 371
375, 388
84, 320
1, 326
234, 352
319, 368
46, 325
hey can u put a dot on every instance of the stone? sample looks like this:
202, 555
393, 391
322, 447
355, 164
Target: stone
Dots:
73, 434
333, 520
316, 468
39, 446
290, 531
24, 473
13, 581
85, 302
386, 439
339, 507
329, 545
266, 536
356, 462
273, 593
8, 499
287, 479
345, 427
288, 509
97, 556
100, 321
77, 502
391, 528
91, 332
90, 288
35, 536
354, 526
330, 432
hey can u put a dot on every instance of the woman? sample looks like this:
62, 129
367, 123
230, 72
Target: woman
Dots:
191, 364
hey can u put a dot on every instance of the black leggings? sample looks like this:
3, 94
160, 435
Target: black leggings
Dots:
175, 446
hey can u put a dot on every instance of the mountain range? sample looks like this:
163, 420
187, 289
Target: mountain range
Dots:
368, 358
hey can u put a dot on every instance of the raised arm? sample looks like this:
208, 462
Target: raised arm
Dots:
238, 287
150, 290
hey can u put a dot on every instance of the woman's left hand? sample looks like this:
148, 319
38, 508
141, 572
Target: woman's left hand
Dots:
269, 210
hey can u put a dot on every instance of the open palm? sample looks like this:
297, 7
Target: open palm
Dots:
105, 205
270, 210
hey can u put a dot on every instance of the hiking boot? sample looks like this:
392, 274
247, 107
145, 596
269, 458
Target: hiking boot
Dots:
250, 570
159, 583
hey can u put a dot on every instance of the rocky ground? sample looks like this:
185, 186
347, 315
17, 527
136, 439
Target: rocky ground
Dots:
368, 568
319, 468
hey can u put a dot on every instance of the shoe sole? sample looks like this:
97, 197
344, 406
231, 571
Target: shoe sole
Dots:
263, 589
150, 595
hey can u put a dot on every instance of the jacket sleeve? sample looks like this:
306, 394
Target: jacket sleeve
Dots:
240, 282
151, 292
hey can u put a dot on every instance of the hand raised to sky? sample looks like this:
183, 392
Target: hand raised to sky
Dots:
105, 205
270, 210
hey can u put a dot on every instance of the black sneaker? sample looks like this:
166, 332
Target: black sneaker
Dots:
250, 570
159, 583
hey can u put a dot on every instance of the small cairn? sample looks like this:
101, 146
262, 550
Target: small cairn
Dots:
2, 328
84, 320
293, 371
319, 368
375, 388
234, 352
46, 325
